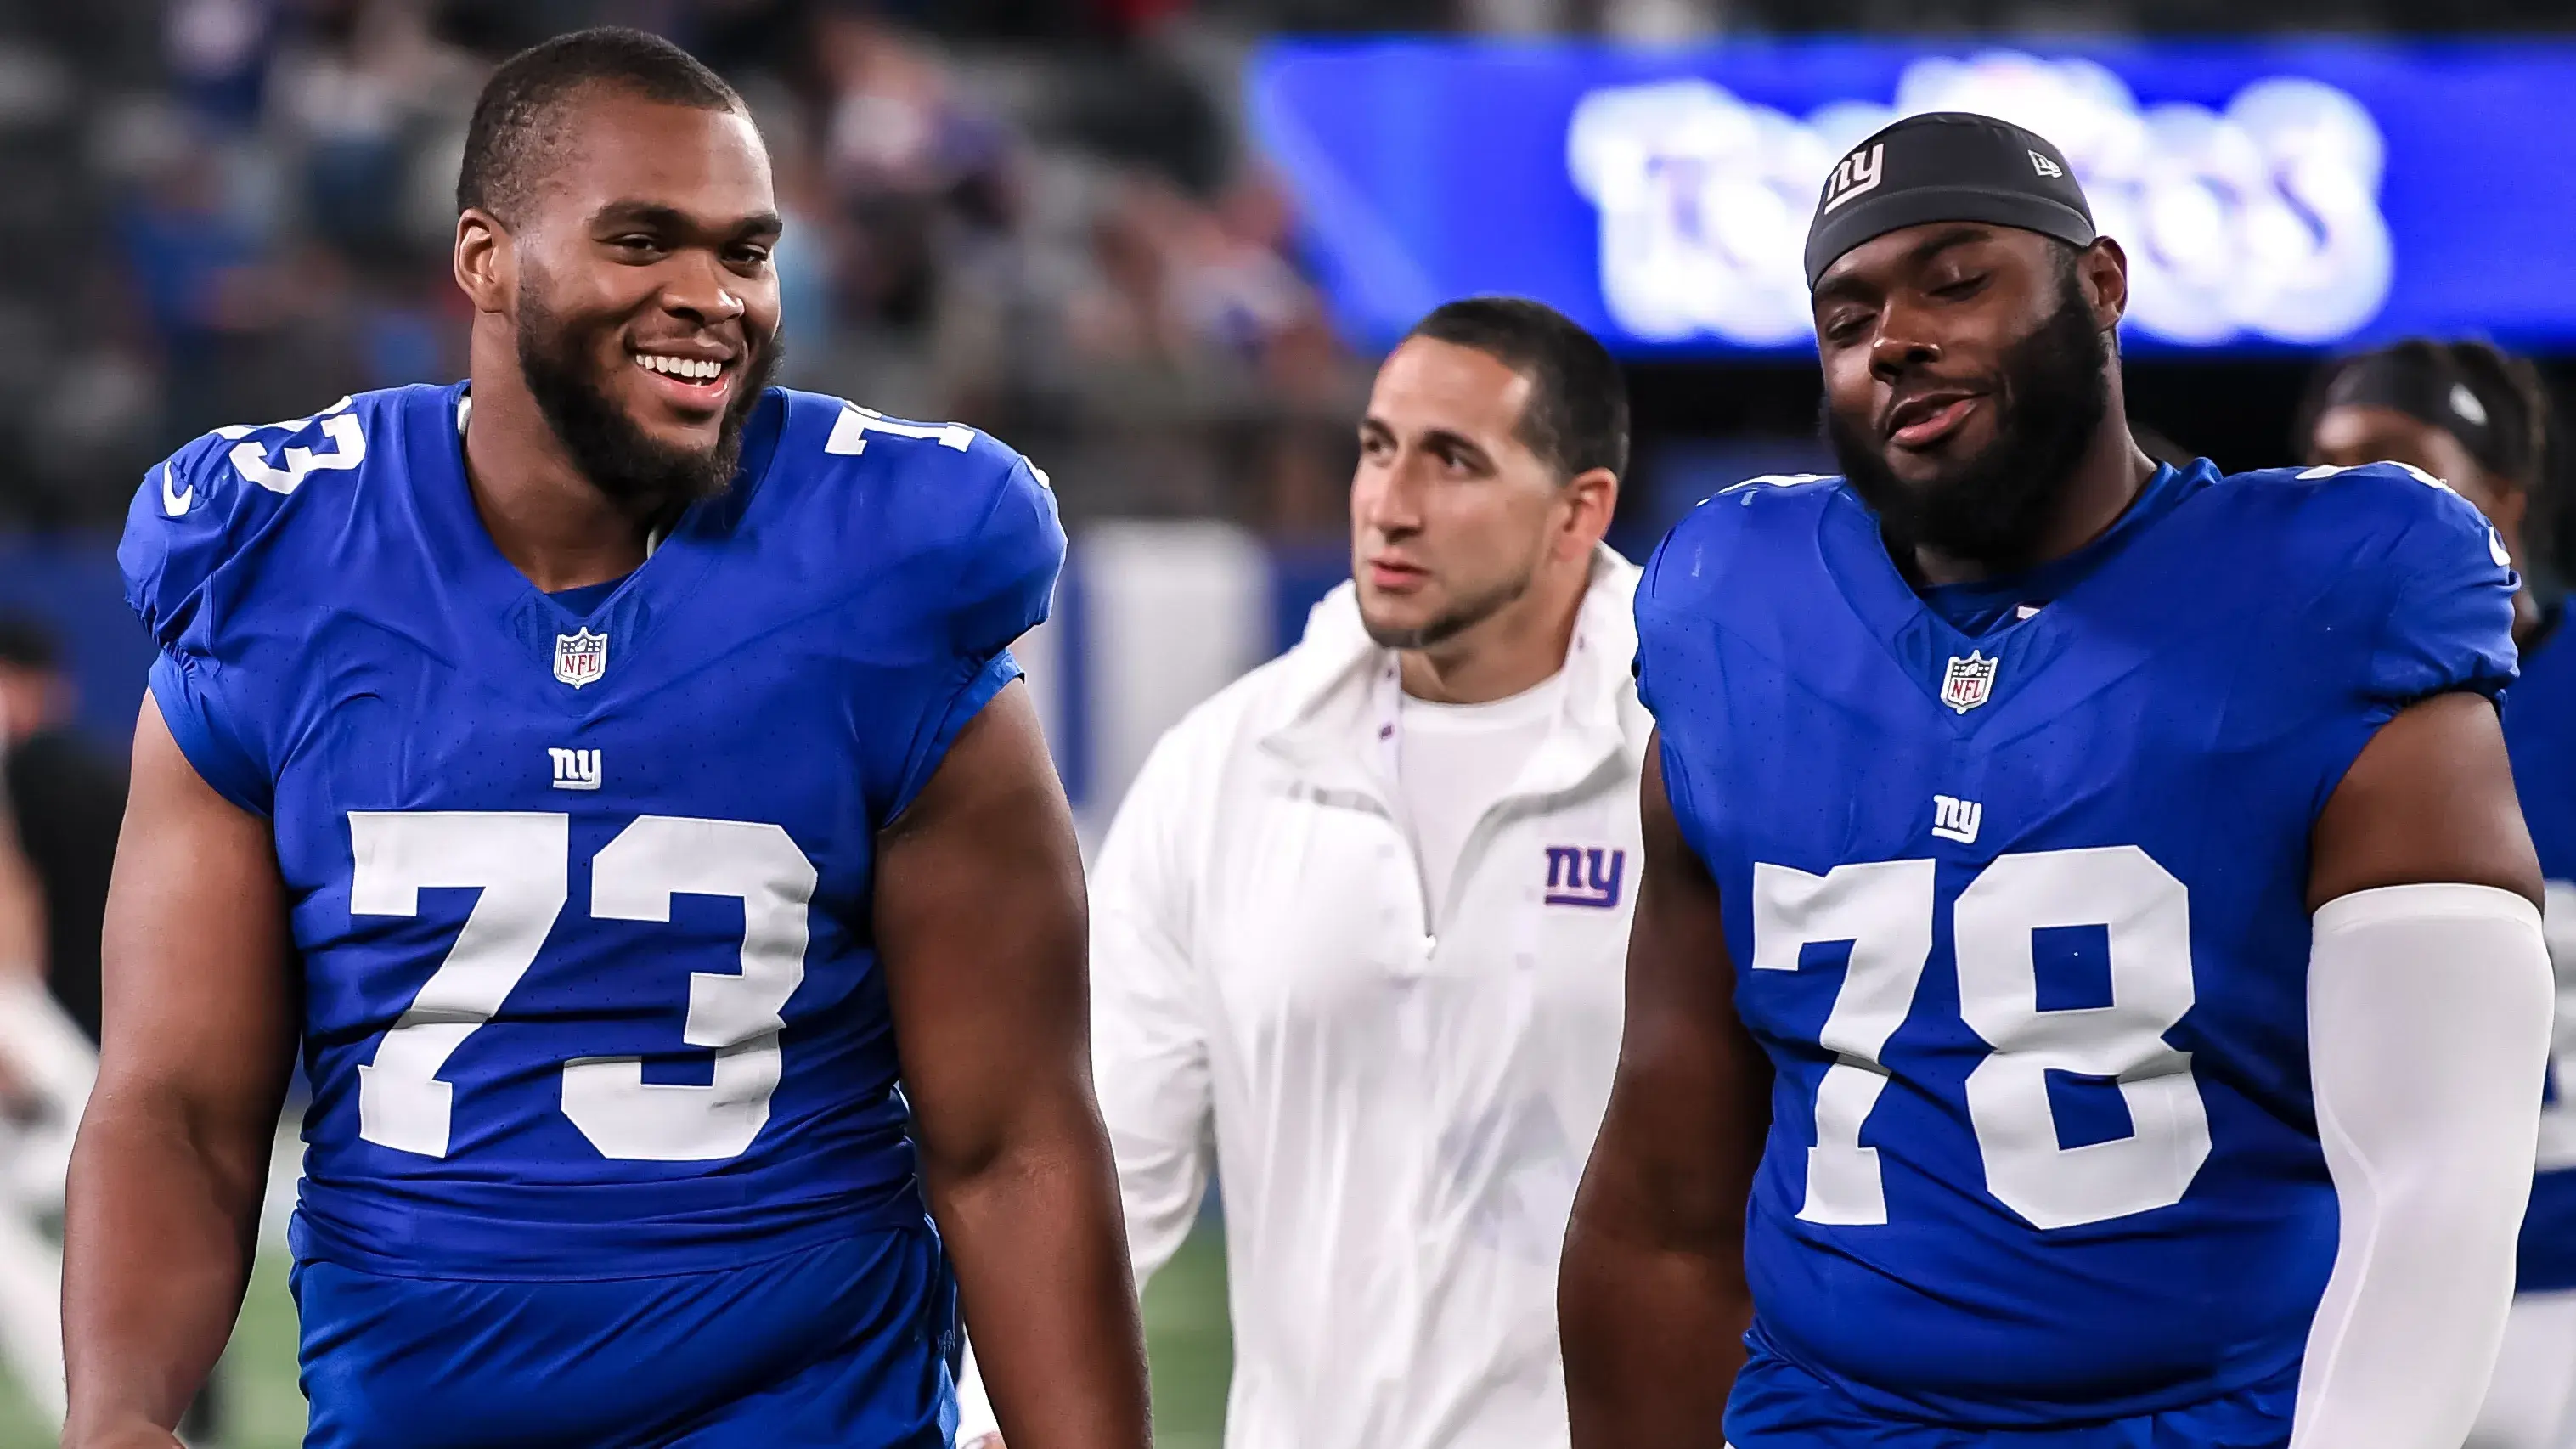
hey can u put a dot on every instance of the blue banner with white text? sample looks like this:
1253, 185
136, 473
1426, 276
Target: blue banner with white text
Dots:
2271, 195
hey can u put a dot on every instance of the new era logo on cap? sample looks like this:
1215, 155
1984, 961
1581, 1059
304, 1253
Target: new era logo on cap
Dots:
2044, 166
1860, 171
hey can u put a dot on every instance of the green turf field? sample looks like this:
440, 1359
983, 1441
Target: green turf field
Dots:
1184, 1320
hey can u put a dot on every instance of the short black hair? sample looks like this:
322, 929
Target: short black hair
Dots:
515, 129
1577, 417
27, 642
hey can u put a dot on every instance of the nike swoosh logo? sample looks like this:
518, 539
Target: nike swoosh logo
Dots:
175, 501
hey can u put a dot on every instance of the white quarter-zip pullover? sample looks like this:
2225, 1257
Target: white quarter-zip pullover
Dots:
1399, 1117
1451, 763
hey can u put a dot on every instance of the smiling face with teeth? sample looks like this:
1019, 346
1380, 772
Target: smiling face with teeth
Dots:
634, 292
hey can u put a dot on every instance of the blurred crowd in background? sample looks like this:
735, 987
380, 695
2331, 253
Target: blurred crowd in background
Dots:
1038, 216
241, 209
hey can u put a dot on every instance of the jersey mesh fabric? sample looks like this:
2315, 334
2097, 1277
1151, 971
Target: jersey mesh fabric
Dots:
583, 901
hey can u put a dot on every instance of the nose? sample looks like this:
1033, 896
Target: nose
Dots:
699, 287
1901, 343
1384, 496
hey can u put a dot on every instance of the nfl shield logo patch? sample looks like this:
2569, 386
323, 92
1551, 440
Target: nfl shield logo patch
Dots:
581, 657
1965, 684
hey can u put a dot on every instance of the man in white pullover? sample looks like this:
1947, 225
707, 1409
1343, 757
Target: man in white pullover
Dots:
1358, 925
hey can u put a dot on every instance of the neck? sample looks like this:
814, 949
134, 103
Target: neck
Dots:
1520, 646
544, 515
2105, 481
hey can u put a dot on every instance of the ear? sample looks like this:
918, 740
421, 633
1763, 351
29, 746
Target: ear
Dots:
487, 266
2104, 269
1592, 499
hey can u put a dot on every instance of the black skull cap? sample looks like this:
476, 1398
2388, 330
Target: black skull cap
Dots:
1946, 166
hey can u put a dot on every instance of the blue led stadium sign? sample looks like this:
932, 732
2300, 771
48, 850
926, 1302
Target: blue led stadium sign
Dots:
2300, 194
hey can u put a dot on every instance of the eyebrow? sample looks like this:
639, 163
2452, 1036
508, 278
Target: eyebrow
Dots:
664, 217
1457, 442
1844, 287
1435, 438
1957, 236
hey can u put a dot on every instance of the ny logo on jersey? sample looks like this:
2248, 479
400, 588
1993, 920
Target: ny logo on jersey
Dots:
580, 657
1952, 818
1968, 682
575, 769
1584, 876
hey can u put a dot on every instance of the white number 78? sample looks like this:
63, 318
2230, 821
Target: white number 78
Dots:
1884, 909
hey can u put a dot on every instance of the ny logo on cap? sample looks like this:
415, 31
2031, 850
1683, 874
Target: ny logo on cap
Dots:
2044, 166
1857, 173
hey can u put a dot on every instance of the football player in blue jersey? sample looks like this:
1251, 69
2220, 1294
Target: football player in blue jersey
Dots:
2087, 985
610, 772
2480, 420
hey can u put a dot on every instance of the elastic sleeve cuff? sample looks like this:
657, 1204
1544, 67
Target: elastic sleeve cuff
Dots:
2434, 900
969, 701
193, 715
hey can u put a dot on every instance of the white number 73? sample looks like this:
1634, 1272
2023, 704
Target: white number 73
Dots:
520, 862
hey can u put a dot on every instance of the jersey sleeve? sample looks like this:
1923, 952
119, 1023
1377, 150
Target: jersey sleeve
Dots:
1005, 573
1681, 673
1670, 587
208, 729
190, 517
193, 521
2450, 587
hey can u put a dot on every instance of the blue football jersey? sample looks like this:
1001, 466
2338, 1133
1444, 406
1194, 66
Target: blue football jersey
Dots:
2540, 731
582, 899
2019, 918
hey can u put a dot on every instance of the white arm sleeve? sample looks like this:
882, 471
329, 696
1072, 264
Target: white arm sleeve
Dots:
1149, 1058
2428, 1036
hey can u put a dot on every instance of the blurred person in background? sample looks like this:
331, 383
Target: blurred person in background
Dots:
66, 797
2480, 420
2088, 985
46, 1068
69, 796
1357, 925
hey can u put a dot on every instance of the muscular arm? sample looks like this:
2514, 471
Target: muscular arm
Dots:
173, 1153
2429, 1004
979, 916
2429, 799
1651, 1298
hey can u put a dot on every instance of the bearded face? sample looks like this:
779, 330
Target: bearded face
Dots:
2049, 390
575, 367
